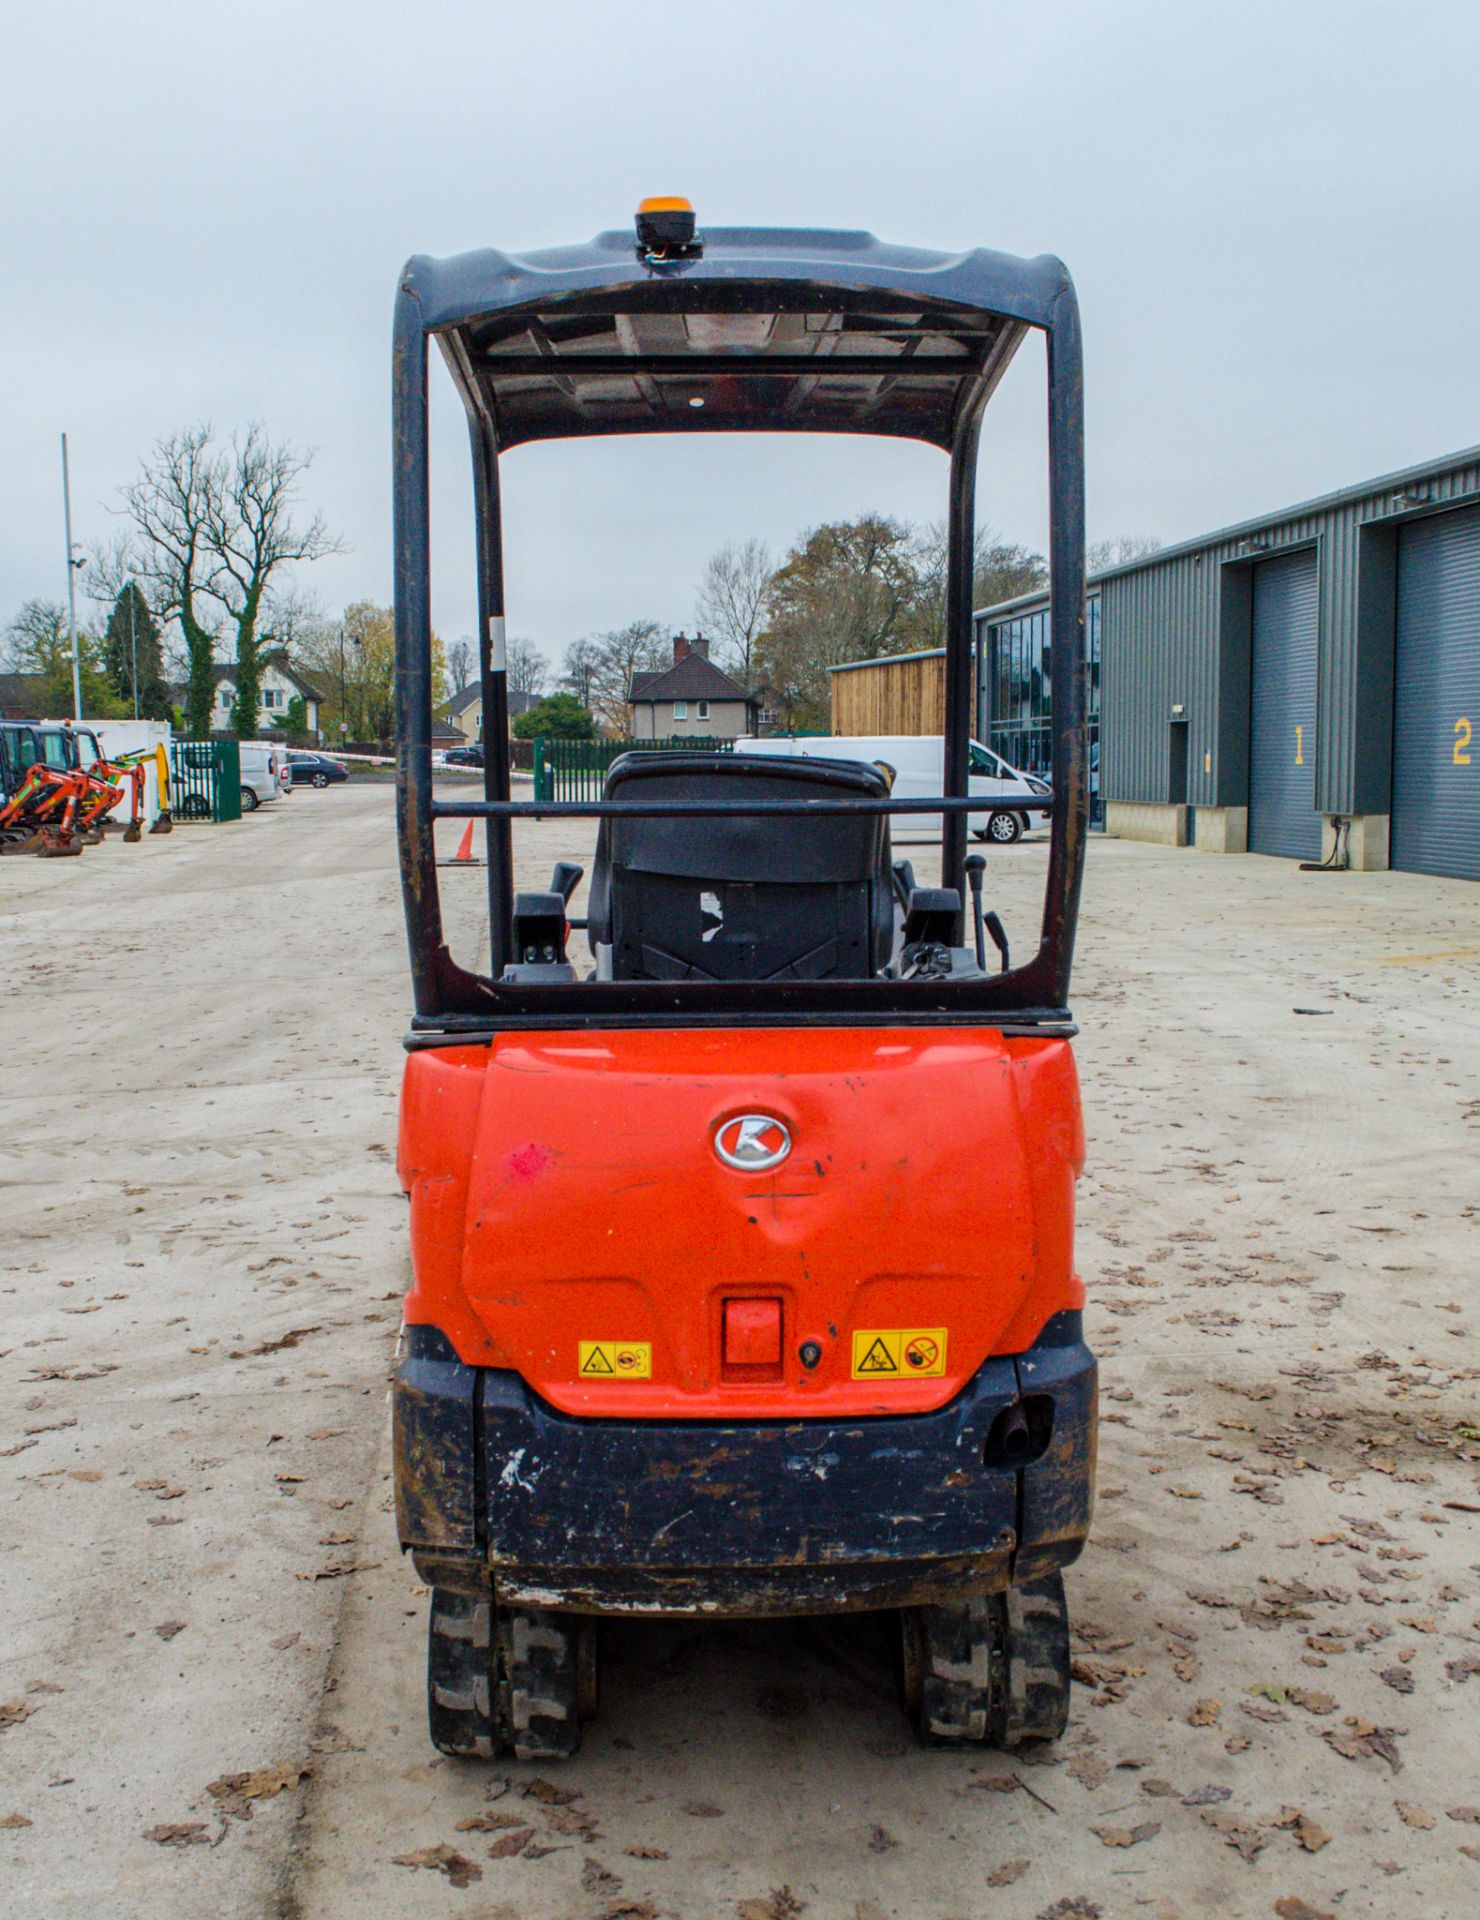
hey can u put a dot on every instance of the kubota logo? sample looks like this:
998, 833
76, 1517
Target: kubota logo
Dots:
752, 1142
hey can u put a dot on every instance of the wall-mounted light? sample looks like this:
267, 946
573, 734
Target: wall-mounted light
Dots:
1178, 709
1409, 498
1253, 546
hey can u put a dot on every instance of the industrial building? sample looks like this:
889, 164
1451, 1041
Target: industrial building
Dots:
1310, 674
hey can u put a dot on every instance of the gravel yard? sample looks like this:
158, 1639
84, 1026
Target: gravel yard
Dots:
211, 1689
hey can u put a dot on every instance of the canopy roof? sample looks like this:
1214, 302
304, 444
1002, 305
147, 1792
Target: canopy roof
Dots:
766, 330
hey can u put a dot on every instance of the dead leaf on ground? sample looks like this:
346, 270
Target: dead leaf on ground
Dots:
1245, 1840
1292, 1907
703, 1809
1363, 1741
1127, 1836
511, 1843
1089, 1770
1078, 1906
1206, 1796
167, 1629
1205, 1713
549, 1795
999, 1782
1398, 1678
460, 1870
236, 1791
570, 1820
291, 1339
1469, 1815
12, 1712
1311, 1836
12, 1820
491, 1823
880, 1839
283, 1641
595, 1878
645, 1853
1413, 1815
779, 1904
1010, 1870
178, 1833
630, 1910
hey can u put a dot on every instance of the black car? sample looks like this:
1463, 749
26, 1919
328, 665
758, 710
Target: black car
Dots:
463, 757
315, 770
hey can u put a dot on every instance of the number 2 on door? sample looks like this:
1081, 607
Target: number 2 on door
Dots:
1462, 736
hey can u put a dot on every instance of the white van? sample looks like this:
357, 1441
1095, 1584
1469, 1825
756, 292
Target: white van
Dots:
918, 760
265, 773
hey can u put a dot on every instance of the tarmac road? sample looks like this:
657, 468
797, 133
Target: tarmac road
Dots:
201, 1252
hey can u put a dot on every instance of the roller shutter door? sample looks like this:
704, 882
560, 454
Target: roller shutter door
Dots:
1282, 747
1436, 698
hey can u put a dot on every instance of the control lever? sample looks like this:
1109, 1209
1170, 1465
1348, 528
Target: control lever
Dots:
566, 878
976, 866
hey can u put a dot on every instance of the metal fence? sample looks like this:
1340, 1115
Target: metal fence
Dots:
206, 779
576, 769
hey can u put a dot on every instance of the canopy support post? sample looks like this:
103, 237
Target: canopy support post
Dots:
493, 669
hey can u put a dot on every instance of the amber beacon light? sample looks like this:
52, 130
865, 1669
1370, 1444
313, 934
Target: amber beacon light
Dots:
665, 227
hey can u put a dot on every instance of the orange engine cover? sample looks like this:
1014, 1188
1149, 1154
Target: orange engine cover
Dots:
571, 1218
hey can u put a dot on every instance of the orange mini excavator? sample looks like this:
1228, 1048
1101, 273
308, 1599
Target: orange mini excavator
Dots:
743, 1264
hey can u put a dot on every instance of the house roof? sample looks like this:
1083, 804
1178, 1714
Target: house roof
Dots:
226, 670
472, 693
21, 696
693, 678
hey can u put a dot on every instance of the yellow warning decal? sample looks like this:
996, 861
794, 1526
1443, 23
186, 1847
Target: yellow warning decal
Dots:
615, 1360
899, 1353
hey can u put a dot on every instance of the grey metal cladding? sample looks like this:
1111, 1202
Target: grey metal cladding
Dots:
1175, 631
1282, 755
1436, 760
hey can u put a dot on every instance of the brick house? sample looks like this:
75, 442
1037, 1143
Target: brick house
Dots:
691, 697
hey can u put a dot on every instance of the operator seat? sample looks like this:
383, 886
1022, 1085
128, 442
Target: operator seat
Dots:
746, 896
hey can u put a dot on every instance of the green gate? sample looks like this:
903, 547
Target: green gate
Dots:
206, 779
576, 769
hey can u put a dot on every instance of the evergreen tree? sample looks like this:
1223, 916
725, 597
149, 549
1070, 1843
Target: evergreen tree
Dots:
131, 643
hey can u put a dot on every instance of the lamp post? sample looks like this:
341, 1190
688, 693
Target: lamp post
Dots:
73, 563
133, 640
343, 699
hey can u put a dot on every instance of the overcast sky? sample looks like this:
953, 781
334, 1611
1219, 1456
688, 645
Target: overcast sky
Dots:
1270, 211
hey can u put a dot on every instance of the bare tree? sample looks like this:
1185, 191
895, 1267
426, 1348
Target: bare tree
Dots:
529, 670
38, 643
734, 592
213, 531
1120, 548
1001, 570
461, 662
638, 647
253, 536
169, 507
582, 663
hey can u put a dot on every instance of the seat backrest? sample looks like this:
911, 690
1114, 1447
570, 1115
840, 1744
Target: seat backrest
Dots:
744, 896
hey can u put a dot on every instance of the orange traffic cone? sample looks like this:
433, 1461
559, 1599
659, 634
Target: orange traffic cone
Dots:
465, 847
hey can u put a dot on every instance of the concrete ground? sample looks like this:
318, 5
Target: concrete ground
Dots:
210, 1651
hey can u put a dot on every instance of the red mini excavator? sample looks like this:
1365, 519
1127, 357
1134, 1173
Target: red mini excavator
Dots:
742, 1243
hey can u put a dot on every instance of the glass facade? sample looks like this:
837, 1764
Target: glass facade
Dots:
1016, 705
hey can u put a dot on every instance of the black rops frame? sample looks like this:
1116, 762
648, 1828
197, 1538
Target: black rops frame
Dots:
527, 342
